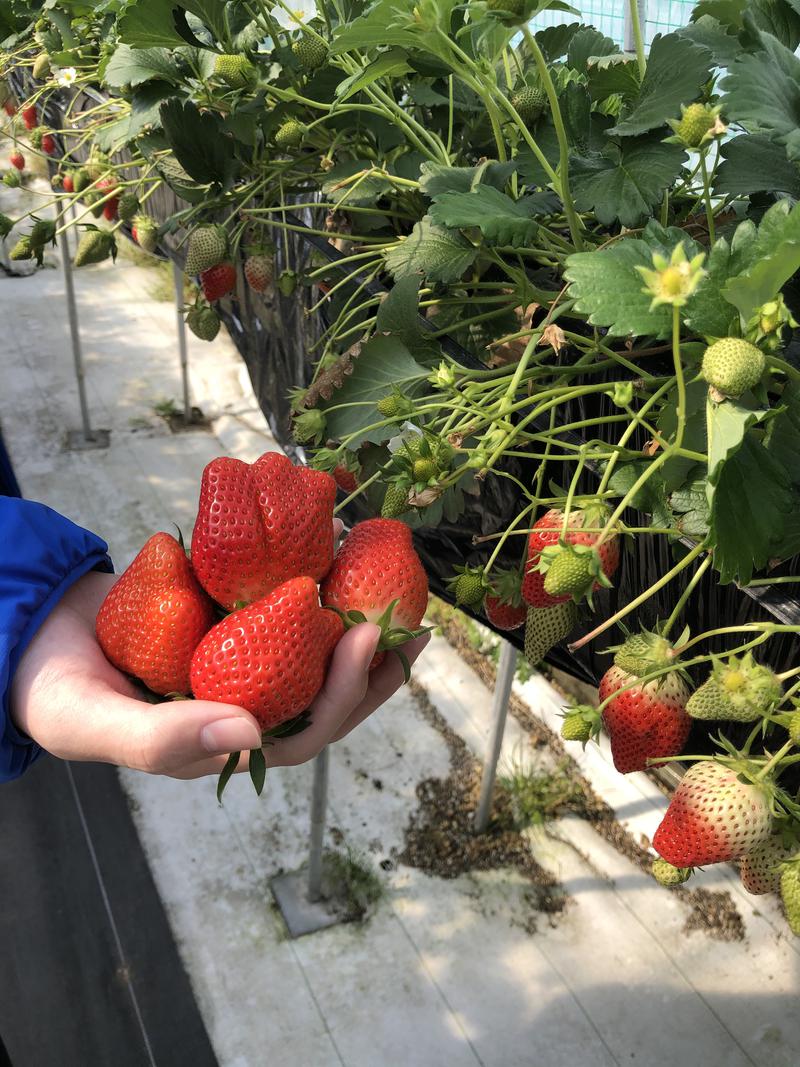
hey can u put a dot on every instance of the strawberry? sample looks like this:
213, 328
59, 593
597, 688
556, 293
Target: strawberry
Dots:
738, 689
30, 117
68, 184
579, 724
695, 124
218, 281
545, 627
154, 617
546, 533
395, 501
203, 321
290, 134
259, 525
503, 604
378, 577
665, 874
128, 207
12, 179
530, 102
208, 246
6, 225
790, 895
49, 144
94, 247
111, 209
760, 868
713, 816
270, 657
731, 366
646, 720
10, 108
41, 66
395, 405
235, 70
16, 159
468, 586
258, 272
81, 179
145, 232
346, 479
310, 52
572, 570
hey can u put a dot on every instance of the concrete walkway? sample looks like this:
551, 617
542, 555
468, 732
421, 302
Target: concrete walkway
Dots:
458, 971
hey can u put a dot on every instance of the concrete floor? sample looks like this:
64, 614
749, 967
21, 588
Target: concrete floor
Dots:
444, 972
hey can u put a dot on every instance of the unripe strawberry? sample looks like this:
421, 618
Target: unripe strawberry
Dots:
530, 102
738, 690
128, 206
94, 247
760, 868
68, 184
310, 52
258, 272
731, 366
395, 502
145, 232
468, 587
794, 728
290, 134
695, 123
665, 874
41, 66
235, 70
23, 249
43, 233
572, 571
546, 627
576, 728
395, 405
790, 895
203, 321
97, 164
207, 246
424, 469
81, 179
12, 179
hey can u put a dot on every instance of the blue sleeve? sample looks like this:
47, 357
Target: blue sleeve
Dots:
41, 555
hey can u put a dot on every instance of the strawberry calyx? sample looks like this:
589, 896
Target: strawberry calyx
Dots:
391, 638
257, 763
581, 722
572, 570
645, 652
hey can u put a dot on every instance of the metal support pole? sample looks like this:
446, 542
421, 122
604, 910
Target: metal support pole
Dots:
177, 275
74, 330
319, 804
630, 43
502, 691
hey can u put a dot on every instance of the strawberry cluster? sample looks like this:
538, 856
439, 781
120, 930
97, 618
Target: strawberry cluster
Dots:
252, 616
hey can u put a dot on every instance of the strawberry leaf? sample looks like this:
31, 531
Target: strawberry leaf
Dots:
199, 141
753, 163
763, 93
440, 255
133, 66
500, 219
775, 257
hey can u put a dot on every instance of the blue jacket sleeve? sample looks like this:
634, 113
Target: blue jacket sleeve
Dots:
41, 555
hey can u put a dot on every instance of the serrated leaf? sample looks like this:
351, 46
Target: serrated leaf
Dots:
754, 163
438, 254
154, 148
726, 426
390, 64
711, 34
763, 93
133, 66
775, 258
399, 315
500, 219
586, 44
151, 23
628, 181
691, 504
199, 142
363, 190
708, 312
374, 29
613, 75
651, 498
677, 470
384, 362
437, 178
554, 40
677, 69
145, 111
607, 287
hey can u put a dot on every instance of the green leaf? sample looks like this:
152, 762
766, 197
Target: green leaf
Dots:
729, 13
399, 315
154, 148
500, 219
389, 64
749, 508
628, 181
691, 504
651, 498
438, 254
775, 258
678, 469
366, 190
708, 312
778, 19
150, 23
753, 163
199, 142
375, 29
437, 178
257, 766
145, 112
677, 69
726, 426
384, 361
554, 40
133, 66
613, 75
711, 34
763, 93
588, 43
607, 287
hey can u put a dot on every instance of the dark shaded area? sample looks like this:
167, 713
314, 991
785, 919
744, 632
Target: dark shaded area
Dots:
91, 972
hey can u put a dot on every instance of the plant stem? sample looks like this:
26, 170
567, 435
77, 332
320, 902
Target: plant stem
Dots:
636, 26
706, 193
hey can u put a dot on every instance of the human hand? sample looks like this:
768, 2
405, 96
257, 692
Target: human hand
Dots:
76, 705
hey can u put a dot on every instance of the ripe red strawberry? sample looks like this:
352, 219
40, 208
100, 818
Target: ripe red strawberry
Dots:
68, 184
270, 657
111, 209
154, 617
49, 144
10, 108
218, 281
345, 479
29, 117
645, 721
259, 525
16, 159
258, 272
713, 816
378, 577
546, 532
503, 604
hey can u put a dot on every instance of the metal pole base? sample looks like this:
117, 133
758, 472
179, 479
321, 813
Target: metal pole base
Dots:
301, 915
77, 440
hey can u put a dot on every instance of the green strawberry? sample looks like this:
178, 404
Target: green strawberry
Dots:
694, 125
310, 51
41, 66
575, 727
12, 179
794, 728
395, 405
530, 102
572, 570
468, 586
643, 652
128, 206
760, 868
43, 233
144, 231
94, 247
665, 874
790, 895
413, 447
36, 135
290, 134
23, 249
395, 502
287, 282
203, 321
207, 246
545, 627
6, 225
424, 469
738, 689
98, 164
310, 426
235, 70
81, 179
731, 366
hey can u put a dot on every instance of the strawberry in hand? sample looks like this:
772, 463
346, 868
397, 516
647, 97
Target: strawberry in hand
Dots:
378, 577
153, 618
259, 525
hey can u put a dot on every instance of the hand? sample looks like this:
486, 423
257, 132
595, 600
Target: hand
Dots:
76, 705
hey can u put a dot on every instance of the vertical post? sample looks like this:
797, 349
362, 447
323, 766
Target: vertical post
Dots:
630, 41
177, 275
75, 336
502, 691
319, 804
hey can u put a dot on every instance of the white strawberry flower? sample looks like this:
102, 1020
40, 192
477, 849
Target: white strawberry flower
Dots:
295, 13
67, 77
